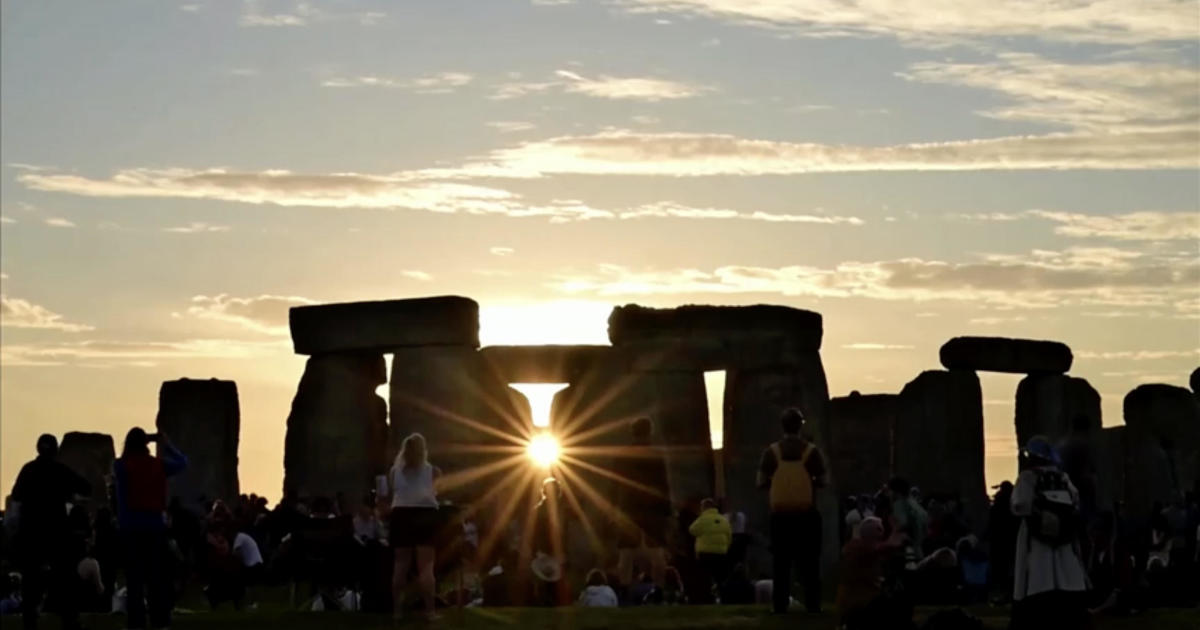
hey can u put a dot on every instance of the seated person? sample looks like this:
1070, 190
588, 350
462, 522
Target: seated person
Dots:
861, 601
597, 593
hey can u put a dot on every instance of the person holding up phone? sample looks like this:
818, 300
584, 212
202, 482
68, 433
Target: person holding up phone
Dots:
141, 489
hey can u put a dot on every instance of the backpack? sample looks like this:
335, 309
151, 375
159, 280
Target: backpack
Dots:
1055, 519
791, 486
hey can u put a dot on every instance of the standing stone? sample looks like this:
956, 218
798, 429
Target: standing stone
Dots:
1194, 381
379, 327
336, 432
1163, 445
91, 456
939, 439
1049, 405
202, 419
679, 410
860, 441
1000, 354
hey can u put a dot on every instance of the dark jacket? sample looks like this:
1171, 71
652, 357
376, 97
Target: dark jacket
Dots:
44, 487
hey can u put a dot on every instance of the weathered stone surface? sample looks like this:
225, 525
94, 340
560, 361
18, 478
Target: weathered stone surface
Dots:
696, 354
999, 354
1194, 381
337, 429
1162, 445
633, 323
542, 364
938, 444
203, 420
471, 420
91, 456
754, 401
1048, 404
860, 444
384, 326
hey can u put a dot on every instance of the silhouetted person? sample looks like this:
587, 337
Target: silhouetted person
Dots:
414, 523
1051, 584
861, 600
141, 489
908, 518
792, 469
43, 488
549, 554
644, 505
1002, 539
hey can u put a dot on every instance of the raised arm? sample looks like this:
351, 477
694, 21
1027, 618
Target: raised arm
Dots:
174, 462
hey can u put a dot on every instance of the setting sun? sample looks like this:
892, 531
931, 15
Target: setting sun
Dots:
543, 449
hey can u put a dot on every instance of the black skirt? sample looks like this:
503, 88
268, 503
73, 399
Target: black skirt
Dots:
413, 527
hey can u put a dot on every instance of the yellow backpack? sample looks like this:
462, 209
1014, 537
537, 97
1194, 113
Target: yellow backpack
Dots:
791, 486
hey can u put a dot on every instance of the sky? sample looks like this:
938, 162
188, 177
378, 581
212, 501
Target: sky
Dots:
175, 175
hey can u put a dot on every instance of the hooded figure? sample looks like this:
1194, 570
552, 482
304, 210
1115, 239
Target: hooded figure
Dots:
1050, 581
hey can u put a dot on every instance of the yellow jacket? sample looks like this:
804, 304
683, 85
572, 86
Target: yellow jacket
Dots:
712, 532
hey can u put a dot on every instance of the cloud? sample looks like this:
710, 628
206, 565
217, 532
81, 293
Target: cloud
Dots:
243, 72
266, 314
502, 251
354, 190
648, 89
627, 88
511, 126
1101, 98
1132, 226
190, 8
1102, 21
7, 220
875, 346
18, 313
1137, 355
1041, 279
297, 14
196, 227
440, 83
623, 152
419, 276
59, 222
136, 353
996, 321
1142, 225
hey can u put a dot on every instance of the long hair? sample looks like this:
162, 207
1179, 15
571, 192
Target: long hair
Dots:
413, 452
135, 443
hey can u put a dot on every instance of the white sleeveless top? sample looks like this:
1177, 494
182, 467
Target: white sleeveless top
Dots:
413, 487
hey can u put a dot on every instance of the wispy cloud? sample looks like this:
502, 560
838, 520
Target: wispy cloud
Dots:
1041, 279
19, 313
876, 346
59, 222
265, 13
354, 190
623, 152
648, 89
196, 228
511, 126
136, 353
1142, 225
502, 251
1101, 98
4, 219
1137, 355
266, 314
419, 276
1103, 21
439, 83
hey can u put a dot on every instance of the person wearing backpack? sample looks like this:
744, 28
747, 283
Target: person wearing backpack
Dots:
1050, 583
792, 470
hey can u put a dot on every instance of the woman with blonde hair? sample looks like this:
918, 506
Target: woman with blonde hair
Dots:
414, 521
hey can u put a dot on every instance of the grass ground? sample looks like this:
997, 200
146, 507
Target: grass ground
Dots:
660, 618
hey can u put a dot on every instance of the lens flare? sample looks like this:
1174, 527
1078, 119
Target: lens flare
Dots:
543, 450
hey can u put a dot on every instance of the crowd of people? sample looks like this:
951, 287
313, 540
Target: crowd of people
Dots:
1046, 549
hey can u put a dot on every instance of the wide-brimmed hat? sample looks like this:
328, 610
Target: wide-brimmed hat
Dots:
1039, 447
546, 568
